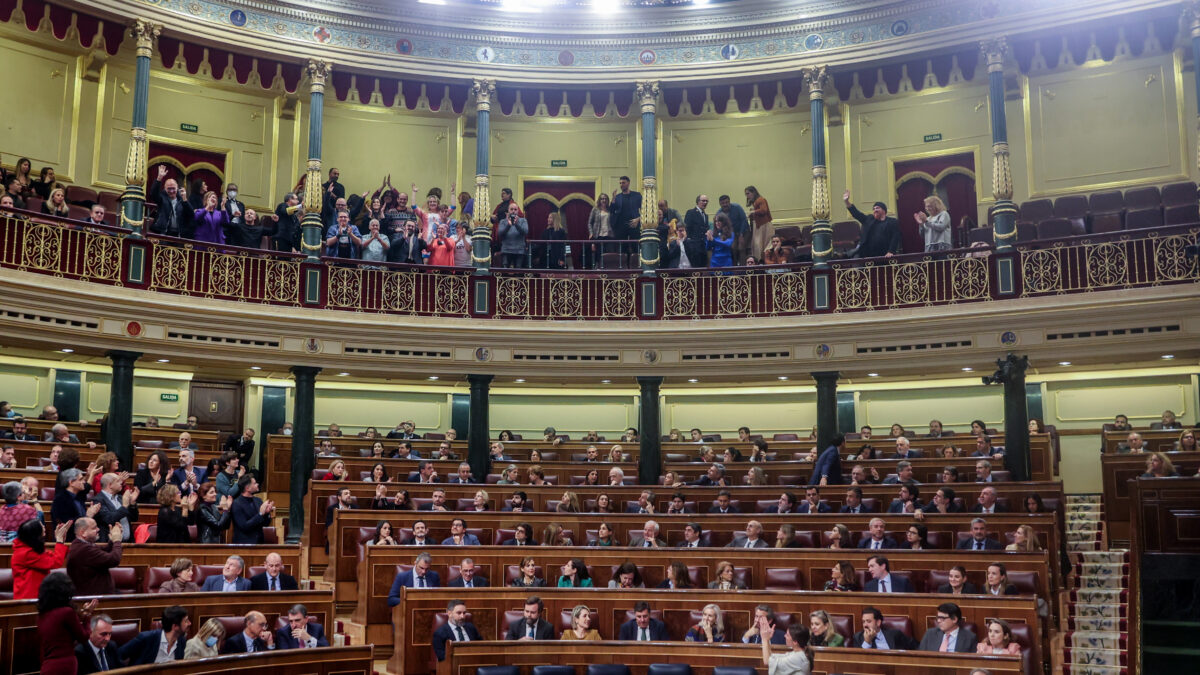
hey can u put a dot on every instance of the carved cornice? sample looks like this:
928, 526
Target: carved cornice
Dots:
145, 34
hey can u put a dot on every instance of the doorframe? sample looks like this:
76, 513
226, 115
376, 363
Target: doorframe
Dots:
239, 400
521, 179
973, 150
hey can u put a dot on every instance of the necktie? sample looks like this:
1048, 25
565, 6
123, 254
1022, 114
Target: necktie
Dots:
468, 585
643, 637
883, 586
875, 544
103, 661
646, 543
462, 637
978, 545
274, 581
945, 643
529, 631
421, 581
748, 544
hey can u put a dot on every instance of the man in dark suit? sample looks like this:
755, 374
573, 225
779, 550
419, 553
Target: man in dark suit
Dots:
875, 636
697, 223
467, 577
878, 538
692, 534
531, 626
98, 653
250, 514
812, 502
904, 474
117, 507
723, 505
904, 449
463, 476
345, 500
88, 565
426, 473
645, 503
882, 580
230, 579
300, 632
286, 237
420, 576
880, 232
437, 503
187, 476
648, 538
243, 445
20, 431
273, 578
407, 245
754, 637
184, 441
144, 649
174, 217
517, 502
853, 502
751, 539
979, 541
254, 637
714, 476
643, 628
786, 504
948, 633
987, 502
827, 470
456, 629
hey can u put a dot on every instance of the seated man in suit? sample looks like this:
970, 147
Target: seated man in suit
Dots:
987, 502
420, 531
904, 474
345, 500
643, 628
185, 441
273, 579
187, 477
678, 504
853, 502
467, 577
148, 647
752, 538
230, 579
300, 631
438, 500
878, 539
420, 576
20, 431
984, 448
904, 449
59, 433
456, 629
979, 541
517, 502
875, 636
723, 505
786, 504
812, 502
426, 473
406, 452
459, 535
645, 503
753, 636
463, 475
714, 476
948, 633
691, 536
649, 537
531, 626
942, 503
882, 580
255, 636
98, 653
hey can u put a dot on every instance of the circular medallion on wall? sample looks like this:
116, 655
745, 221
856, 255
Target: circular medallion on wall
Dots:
900, 28
823, 351
483, 354
312, 345
566, 58
771, 49
647, 57
730, 52
485, 55
857, 36
813, 42
133, 329
321, 34
1008, 338
238, 18
650, 356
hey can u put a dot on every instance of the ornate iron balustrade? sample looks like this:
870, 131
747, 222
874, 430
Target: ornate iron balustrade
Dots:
1131, 259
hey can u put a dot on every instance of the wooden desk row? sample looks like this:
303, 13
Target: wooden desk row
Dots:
492, 609
354, 660
464, 658
19, 644
28, 453
1117, 472
205, 440
1156, 440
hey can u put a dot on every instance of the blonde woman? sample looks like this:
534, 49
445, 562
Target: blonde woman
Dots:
57, 204
569, 503
204, 645
599, 229
616, 454
1025, 541
755, 477
935, 226
1158, 466
725, 580
711, 627
581, 625
555, 253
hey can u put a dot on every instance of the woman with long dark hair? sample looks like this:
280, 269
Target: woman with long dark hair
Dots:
59, 627
759, 214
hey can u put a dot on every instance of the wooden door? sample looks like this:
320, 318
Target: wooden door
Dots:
216, 405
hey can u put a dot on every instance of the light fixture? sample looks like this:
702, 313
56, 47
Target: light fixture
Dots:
872, 374
605, 381
1064, 363
164, 360
606, 6
433, 377
699, 3
1168, 357
519, 380
342, 374
783, 377
432, 2
967, 369
66, 350
693, 380
255, 367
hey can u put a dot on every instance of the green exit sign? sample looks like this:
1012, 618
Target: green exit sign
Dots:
558, 163
929, 138
168, 397
192, 128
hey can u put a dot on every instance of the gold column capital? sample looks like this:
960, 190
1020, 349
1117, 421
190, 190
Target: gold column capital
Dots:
994, 50
145, 34
647, 92
318, 73
484, 90
817, 78
1191, 17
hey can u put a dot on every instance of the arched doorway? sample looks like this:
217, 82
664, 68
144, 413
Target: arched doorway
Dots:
951, 177
572, 197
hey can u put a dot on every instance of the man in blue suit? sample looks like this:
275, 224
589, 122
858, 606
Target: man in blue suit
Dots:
643, 628
459, 535
979, 541
812, 502
420, 576
754, 636
300, 632
467, 577
230, 578
146, 647
882, 580
878, 538
188, 477
456, 629
255, 637
827, 470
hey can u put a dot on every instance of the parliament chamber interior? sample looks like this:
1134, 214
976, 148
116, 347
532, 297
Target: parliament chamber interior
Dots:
336, 304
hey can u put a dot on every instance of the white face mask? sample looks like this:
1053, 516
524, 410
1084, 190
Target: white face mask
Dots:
287, 432
232, 194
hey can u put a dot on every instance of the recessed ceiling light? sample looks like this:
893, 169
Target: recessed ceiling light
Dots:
783, 377
1168, 357
693, 380
967, 369
872, 374
255, 367
66, 350
1064, 363
433, 377
432, 2
342, 374
519, 380
164, 360
605, 381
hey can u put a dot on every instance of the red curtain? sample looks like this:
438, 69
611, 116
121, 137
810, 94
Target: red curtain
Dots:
187, 166
573, 199
950, 177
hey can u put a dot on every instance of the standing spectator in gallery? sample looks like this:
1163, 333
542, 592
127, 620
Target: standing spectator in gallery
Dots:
934, 227
880, 232
174, 217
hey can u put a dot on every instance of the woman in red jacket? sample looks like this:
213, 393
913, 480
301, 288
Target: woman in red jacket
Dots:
31, 562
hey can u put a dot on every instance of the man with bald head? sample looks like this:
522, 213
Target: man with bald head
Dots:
274, 578
174, 217
254, 637
184, 442
88, 564
904, 449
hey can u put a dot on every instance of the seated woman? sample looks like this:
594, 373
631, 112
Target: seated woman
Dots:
868, 452
948, 452
732, 455
1187, 441
711, 627
535, 455
725, 580
383, 535
678, 577
536, 475
480, 503
958, 584
569, 503
672, 479
755, 477
839, 537
553, 535
916, 538
821, 632
337, 471
174, 515
506, 436
379, 473
592, 477
378, 451
371, 432
204, 645
581, 625
1025, 540
509, 476
997, 581
999, 640
150, 480
1033, 503
605, 536
785, 537
616, 454
627, 576
896, 431
675, 436
908, 501
1036, 426
842, 578
56, 205
182, 573
528, 577
574, 575
604, 503
1158, 466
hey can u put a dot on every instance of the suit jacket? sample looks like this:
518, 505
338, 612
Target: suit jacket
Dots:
179, 476
407, 250
49, 437
405, 580
777, 638
846, 509
804, 507
215, 582
242, 447
477, 582
88, 565
236, 644
248, 523
543, 630
143, 649
774, 508
968, 588
717, 509
895, 639
640, 542
10, 435
888, 542
286, 236
740, 542
989, 544
86, 656
183, 226
964, 642
696, 245
629, 630
897, 506
108, 515
634, 508
828, 464
259, 582
912, 454
997, 507
445, 634
898, 585
284, 639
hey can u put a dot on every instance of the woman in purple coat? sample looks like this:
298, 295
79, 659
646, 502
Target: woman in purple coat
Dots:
211, 221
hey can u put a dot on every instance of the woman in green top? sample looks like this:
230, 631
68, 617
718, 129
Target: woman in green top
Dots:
821, 631
574, 575
604, 536
509, 476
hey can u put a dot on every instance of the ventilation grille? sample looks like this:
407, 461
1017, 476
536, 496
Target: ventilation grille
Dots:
913, 347
222, 340
738, 356
599, 357
46, 319
1112, 332
403, 353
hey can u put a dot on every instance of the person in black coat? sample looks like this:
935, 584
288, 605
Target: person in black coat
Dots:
531, 622
143, 649
70, 503
697, 223
100, 640
175, 515
243, 445
407, 246
299, 629
286, 236
880, 232
150, 479
632, 630
454, 629
174, 217
250, 514
214, 515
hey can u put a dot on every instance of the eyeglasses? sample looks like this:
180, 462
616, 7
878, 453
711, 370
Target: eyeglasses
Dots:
942, 617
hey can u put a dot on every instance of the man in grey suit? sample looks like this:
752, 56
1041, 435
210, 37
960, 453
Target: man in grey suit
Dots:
752, 539
904, 474
531, 626
649, 538
949, 635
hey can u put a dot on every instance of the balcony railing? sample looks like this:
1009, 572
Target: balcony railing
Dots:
1120, 260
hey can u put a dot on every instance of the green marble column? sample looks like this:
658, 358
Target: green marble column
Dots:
827, 414
650, 431
303, 457
1004, 213
133, 199
478, 434
648, 248
118, 427
822, 232
311, 226
481, 235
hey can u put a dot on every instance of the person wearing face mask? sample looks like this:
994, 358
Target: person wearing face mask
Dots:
287, 429
204, 645
234, 210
